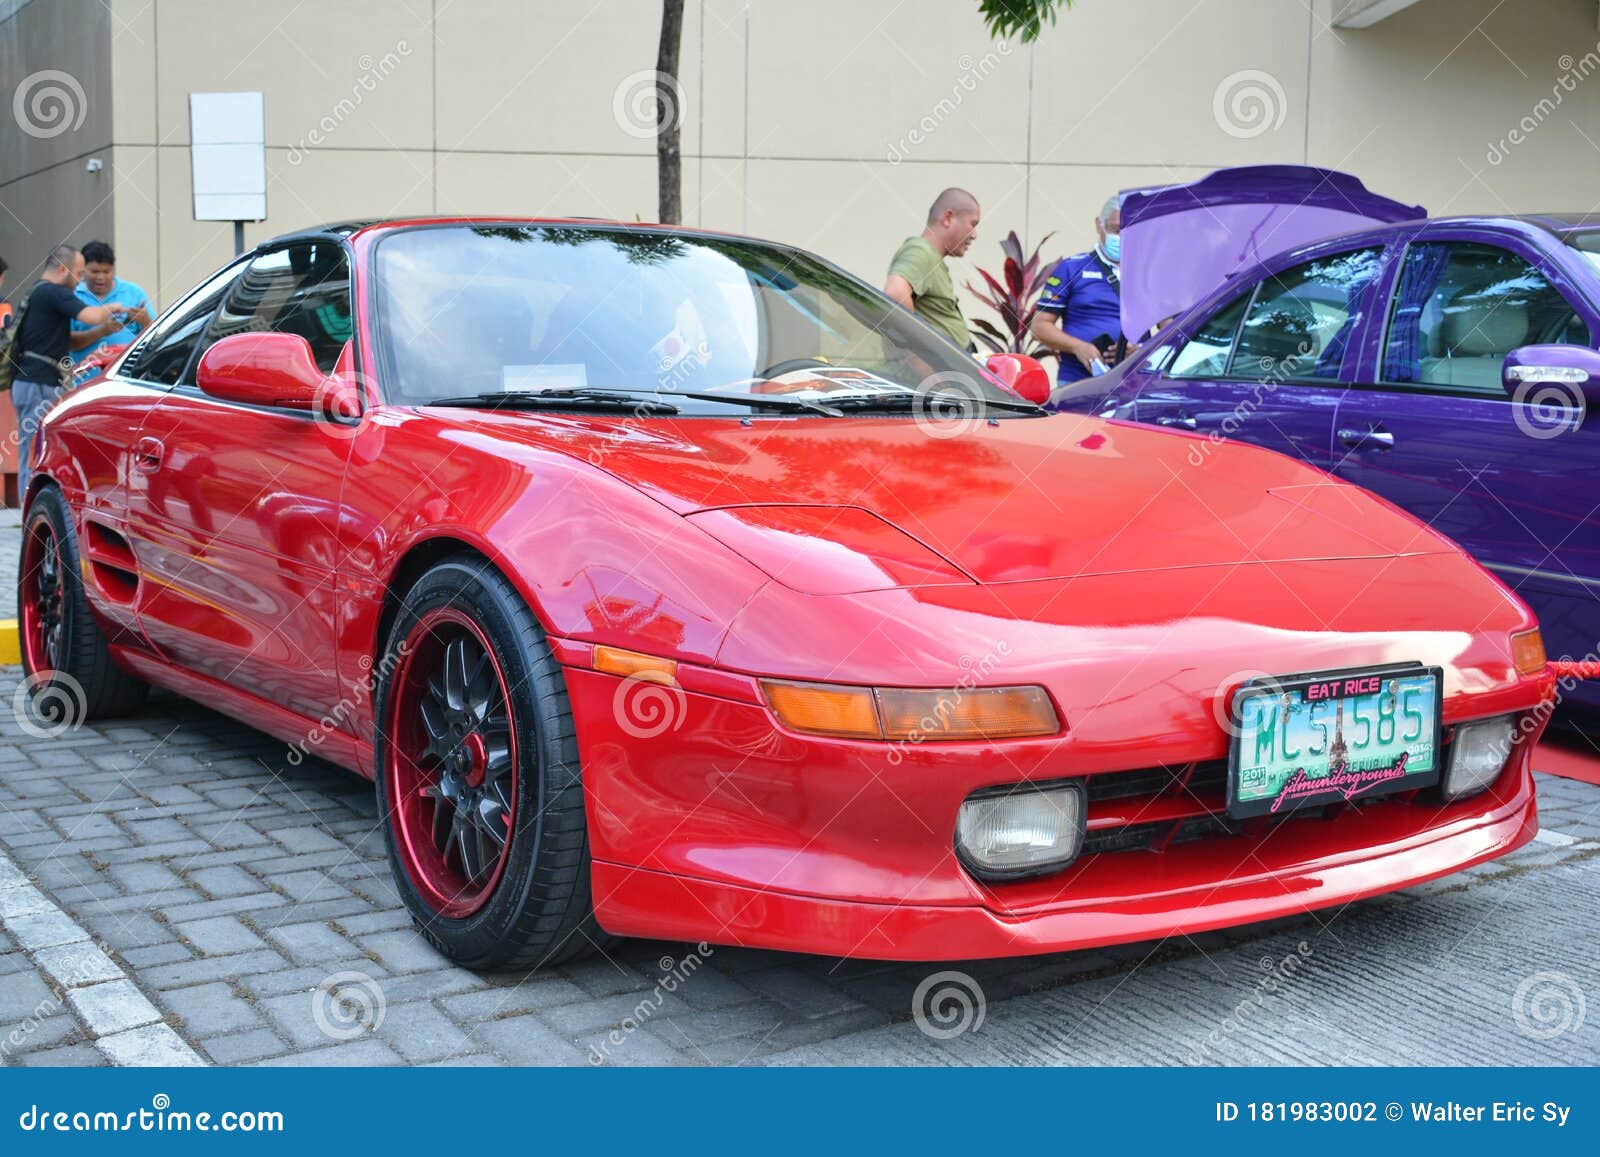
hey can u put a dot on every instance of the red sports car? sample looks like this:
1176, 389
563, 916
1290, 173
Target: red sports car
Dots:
676, 584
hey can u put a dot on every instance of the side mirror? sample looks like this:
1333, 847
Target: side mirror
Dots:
271, 369
1553, 377
1022, 375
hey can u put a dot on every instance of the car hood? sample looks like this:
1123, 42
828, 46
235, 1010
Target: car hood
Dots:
1180, 242
836, 505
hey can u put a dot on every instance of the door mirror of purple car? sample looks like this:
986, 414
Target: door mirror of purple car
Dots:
269, 369
1022, 375
1553, 376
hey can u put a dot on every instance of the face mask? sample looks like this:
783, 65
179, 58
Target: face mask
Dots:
1113, 247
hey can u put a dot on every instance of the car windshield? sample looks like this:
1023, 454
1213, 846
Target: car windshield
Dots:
1588, 244
473, 310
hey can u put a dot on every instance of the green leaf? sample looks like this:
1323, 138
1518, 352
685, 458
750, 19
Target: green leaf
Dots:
1020, 18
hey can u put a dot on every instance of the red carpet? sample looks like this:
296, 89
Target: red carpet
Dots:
1568, 755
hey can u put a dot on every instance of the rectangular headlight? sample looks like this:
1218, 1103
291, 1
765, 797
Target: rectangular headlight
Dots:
1022, 831
1478, 753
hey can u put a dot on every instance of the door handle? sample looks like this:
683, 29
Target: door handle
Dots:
1377, 438
147, 455
1179, 421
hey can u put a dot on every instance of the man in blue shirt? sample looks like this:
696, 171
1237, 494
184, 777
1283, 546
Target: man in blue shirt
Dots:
102, 286
1080, 311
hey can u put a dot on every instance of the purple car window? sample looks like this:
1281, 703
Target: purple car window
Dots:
1462, 307
1294, 325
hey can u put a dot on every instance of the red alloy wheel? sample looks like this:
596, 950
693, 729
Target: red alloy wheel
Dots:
41, 604
452, 769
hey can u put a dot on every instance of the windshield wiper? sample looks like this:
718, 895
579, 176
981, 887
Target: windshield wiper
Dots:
587, 398
912, 400
771, 402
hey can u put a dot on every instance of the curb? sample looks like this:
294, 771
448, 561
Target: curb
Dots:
10, 643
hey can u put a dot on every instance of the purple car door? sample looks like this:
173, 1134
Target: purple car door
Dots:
1267, 366
1430, 427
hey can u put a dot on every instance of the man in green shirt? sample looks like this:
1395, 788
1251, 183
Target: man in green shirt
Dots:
918, 276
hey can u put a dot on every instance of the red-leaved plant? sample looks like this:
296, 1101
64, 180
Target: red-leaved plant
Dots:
1015, 299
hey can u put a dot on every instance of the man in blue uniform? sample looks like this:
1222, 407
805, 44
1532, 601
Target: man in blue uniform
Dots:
1080, 312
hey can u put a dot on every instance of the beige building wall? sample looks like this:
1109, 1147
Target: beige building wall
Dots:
827, 123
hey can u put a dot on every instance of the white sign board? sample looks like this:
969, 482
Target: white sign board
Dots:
228, 150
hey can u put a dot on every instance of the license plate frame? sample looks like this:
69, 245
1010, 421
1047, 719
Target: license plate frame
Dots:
1297, 787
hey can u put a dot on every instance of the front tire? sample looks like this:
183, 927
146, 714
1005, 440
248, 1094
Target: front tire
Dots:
478, 777
68, 664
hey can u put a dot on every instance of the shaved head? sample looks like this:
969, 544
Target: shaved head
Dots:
952, 200
952, 222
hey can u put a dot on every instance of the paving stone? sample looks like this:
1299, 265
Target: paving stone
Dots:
403, 951
219, 935
313, 943
112, 1007
226, 881
240, 1048
353, 1054
210, 1010
419, 1032
153, 1045
74, 965
531, 995
79, 1056
523, 1040
634, 1008
188, 972
143, 877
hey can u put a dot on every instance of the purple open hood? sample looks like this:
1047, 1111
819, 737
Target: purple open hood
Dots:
1179, 242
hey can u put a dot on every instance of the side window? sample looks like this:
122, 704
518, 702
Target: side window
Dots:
1462, 307
161, 356
1300, 322
300, 289
1205, 355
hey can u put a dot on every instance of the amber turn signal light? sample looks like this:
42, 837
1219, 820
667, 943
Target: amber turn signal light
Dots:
919, 715
825, 709
633, 665
1527, 652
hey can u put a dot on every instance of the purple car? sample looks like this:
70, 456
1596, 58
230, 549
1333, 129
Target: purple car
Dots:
1447, 365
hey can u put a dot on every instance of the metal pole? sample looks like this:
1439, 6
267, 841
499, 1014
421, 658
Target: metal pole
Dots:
238, 238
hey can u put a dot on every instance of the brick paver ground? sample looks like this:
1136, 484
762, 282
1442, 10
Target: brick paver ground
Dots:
248, 901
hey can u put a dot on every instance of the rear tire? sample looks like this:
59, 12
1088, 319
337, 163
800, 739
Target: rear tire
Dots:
475, 742
71, 675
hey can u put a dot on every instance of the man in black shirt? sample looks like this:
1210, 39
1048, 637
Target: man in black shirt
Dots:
40, 350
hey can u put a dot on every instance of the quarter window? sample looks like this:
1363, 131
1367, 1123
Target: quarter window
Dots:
1462, 307
1206, 354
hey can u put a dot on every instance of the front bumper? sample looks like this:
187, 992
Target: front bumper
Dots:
709, 822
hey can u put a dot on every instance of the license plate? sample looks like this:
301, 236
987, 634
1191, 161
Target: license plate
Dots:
1334, 736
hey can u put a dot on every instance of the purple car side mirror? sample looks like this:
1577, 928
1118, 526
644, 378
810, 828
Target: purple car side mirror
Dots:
1554, 376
